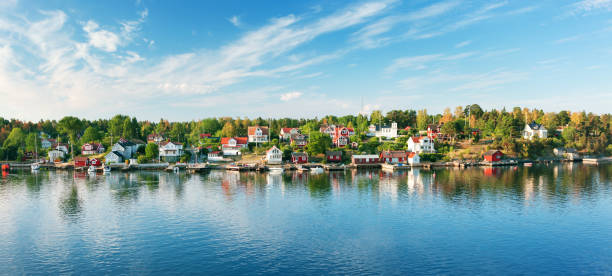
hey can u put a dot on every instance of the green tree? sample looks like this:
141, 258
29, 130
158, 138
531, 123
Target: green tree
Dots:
422, 119
91, 134
151, 151
319, 143
128, 131
32, 142
70, 126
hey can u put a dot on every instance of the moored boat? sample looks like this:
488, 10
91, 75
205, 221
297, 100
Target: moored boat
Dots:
276, 170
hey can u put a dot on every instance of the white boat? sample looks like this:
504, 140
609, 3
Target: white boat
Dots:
316, 170
35, 166
277, 170
91, 169
107, 169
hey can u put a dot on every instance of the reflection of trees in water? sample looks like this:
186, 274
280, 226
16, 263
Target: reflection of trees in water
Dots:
125, 186
319, 186
558, 183
34, 182
71, 205
149, 179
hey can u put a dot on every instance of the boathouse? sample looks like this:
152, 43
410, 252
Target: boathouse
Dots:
493, 156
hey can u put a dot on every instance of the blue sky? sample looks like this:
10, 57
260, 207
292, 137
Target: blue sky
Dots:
185, 60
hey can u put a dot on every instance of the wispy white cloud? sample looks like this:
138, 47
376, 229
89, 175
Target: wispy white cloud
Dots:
567, 39
370, 36
449, 82
463, 44
522, 10
422, 62
70, 71
290, 96
235, 20
102, 39
592, 5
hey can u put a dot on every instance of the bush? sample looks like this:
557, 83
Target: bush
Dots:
142, 159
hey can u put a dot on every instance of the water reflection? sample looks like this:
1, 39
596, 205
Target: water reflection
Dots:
70, 204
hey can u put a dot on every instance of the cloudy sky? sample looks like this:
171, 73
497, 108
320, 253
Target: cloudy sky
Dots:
186, 60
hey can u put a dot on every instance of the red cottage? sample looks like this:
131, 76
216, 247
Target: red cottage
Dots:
365, 159
493, 155
96, 162
393, 156
333, 156
81, 161
299, 157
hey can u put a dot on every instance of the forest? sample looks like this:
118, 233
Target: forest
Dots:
587, 132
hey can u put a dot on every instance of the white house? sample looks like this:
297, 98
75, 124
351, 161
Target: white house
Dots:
170, 151
126, 148
92, 148
113, 157
421, 144
233, 145
383, 131
274, 156
61, 147
534, 130
258, 134
287, 132
55, 154
47, 143
413, 158
215, 156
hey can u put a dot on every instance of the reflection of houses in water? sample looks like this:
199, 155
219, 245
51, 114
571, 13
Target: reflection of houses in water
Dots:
528, 188
334, 177
415, 182
387, 186
492, 171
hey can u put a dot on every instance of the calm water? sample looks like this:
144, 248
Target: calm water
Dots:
538, 220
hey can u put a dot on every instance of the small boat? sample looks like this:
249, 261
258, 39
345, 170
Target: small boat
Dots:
302, 169
529, 164
35, 166
316, 170
107, 169
91, 169
276, 170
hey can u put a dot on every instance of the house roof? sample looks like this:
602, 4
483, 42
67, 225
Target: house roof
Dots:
297, 154
336, 152
153, 135
491, 152
412, 154
365, 156
167, 142
81, 158
288, 129
115, 153
214, 152
393, 154
273, 147
535, 126
204, 135
239, 140
417, 139
264, 130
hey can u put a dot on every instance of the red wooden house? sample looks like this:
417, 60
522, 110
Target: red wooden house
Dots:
393, 156
95, 162
299, 157
81, 161
333, 156
493, 155
365, 159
